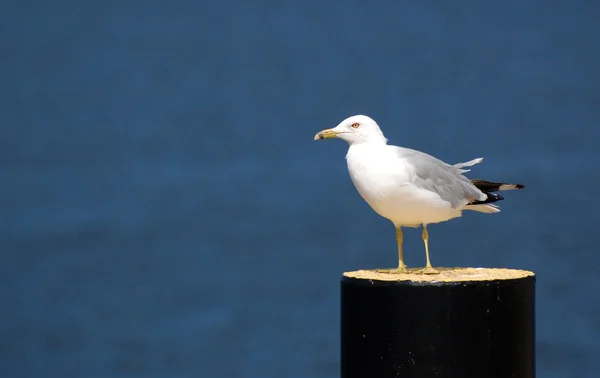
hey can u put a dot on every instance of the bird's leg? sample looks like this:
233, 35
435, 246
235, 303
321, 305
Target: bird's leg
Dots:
401, 266
428, 268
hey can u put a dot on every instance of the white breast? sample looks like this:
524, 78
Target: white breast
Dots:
386, 182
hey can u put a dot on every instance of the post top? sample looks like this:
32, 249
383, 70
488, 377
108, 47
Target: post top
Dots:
446, 275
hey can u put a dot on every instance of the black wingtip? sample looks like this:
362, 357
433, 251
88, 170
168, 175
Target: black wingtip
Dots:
491, 197
489, 186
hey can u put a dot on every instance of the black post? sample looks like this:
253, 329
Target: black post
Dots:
462, 323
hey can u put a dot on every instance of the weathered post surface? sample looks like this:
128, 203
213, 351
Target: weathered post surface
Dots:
461, 323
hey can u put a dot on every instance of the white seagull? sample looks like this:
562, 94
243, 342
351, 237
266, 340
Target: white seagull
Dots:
409, 187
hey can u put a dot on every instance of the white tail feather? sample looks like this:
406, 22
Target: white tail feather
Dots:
469, 163
484, 208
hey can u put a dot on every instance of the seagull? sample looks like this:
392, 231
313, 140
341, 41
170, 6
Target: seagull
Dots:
409, 187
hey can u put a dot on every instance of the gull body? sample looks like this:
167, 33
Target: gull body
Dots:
409, 187
390, 188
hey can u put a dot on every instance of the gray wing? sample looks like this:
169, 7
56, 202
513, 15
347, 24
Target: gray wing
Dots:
443, 179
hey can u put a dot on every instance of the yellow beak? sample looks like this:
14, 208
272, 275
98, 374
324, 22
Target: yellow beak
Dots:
326, 134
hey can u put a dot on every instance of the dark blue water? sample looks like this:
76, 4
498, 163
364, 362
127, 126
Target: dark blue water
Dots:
166, 213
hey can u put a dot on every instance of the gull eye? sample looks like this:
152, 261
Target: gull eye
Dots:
355, 125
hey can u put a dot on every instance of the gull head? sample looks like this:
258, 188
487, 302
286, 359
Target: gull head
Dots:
354, 130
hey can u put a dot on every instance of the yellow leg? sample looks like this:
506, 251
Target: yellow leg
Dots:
428, 268
401, 266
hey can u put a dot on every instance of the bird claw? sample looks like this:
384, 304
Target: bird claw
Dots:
401, 270
427, 270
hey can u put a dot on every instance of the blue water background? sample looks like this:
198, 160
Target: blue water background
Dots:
165, 212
